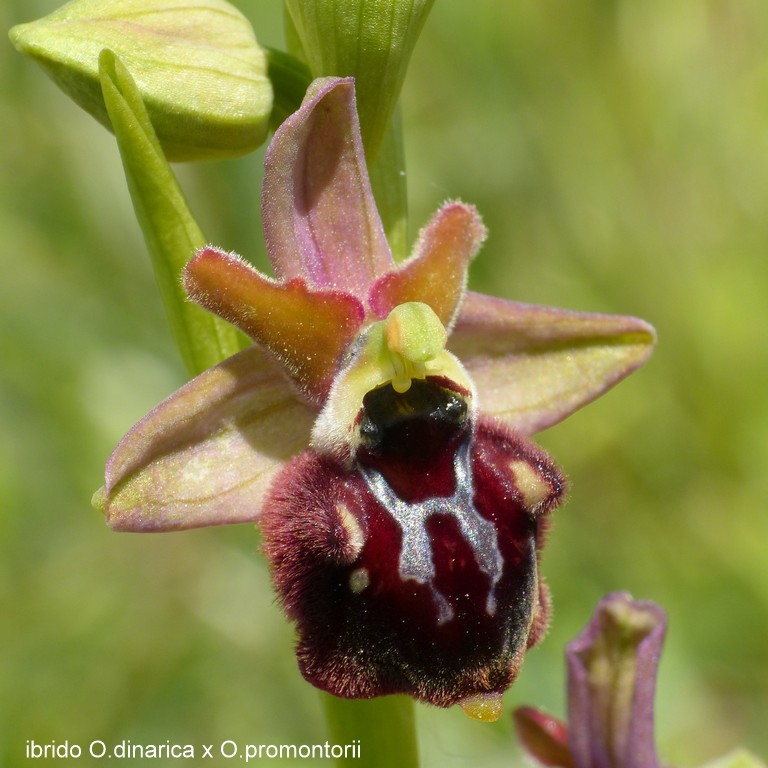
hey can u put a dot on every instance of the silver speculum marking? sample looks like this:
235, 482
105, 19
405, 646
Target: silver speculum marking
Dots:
416, 557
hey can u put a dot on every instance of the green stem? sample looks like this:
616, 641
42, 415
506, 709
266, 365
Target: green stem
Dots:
290, 78
389, 187
385, 728
170, 231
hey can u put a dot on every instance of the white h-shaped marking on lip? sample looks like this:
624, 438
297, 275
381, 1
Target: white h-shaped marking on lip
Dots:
416, 561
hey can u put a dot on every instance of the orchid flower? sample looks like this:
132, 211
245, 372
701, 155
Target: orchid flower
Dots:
377, 429
612, 668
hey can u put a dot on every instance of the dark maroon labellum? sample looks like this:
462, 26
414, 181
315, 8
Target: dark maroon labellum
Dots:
417, 571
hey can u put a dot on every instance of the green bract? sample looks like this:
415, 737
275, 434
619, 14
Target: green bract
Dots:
200, 71
371, 41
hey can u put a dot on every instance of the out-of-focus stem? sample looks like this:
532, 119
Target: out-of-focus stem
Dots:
389, 187
384, 728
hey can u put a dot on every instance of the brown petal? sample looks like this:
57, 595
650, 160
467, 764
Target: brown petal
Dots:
436, 274
306, 330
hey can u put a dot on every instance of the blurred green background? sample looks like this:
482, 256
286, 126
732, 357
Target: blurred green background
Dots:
618, 150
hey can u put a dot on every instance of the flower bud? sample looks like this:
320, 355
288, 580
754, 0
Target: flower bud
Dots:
612, 668
197, 64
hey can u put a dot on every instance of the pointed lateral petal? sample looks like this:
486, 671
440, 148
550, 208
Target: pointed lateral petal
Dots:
544, 737
207, 455
306, 330
436, 274
319, 216
533, 366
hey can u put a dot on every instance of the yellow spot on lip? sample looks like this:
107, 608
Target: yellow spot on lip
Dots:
355, 536
359, 580
532, 487
486, 707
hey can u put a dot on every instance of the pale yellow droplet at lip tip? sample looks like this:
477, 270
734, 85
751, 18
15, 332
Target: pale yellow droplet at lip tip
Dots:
486, 707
